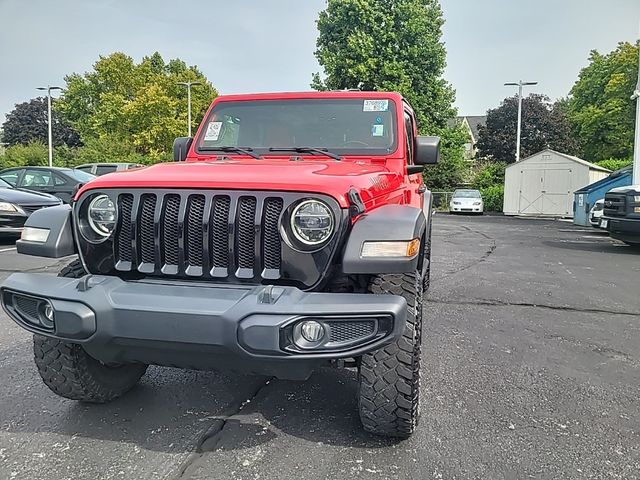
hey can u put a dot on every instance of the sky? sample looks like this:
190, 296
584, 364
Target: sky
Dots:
268, 45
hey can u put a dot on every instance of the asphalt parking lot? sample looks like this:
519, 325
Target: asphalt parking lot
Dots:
531, 370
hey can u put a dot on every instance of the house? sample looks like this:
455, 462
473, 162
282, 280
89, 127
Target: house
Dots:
471, 123
543, 184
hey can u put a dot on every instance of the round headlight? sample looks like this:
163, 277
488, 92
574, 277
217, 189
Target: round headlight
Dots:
102, 215
312, 222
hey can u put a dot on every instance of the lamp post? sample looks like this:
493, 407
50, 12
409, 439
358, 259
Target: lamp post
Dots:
189, 85
636, 144
519, 84
48, 89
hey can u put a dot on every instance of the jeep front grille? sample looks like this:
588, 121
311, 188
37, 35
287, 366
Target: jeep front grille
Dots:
615, 205
207, 235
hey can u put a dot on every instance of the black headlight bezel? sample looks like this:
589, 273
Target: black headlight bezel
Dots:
290, 237
84, 224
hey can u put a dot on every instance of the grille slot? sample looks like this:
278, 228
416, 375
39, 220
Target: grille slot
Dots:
170, 230
245, 239
203, 235
195, 230
146, 238
350, 331
124, 236
272, 244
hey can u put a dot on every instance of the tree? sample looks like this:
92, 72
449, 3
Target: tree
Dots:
388, 45
452, 170
28, 122
139, 106
600, 110
543, 126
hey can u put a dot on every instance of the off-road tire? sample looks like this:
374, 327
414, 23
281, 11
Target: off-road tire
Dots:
70, 372
389, 378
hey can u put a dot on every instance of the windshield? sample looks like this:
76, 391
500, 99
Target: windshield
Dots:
80, 176
4, 184
466, 194
343, 126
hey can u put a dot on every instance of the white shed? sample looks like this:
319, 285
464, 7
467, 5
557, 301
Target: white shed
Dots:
543, 184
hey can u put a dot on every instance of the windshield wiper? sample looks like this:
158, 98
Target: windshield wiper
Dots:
320, 151
244, 150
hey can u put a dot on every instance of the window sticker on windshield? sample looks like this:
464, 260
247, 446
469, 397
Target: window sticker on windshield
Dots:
213, 131
377, 131
376, 106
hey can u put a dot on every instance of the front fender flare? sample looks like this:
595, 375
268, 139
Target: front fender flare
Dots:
387, 223
60, 242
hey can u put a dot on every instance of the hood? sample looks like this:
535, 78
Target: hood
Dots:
312, 176
21, 196
627, 189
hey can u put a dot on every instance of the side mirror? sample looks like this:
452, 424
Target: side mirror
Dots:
181, 146
427, 150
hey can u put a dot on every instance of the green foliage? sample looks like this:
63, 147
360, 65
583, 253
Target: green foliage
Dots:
28, 122
140, 106
600, 110
487, 174
493, 197
453, 170
614, 164
34, 153
387, 45
543, 126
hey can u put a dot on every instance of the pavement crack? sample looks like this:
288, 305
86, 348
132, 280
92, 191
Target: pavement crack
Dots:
499, 303
208, 442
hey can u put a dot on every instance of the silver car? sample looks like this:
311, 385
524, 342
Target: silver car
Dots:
466, 201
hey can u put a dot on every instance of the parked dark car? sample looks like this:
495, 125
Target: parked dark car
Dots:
61, 182
16, 205
104, 168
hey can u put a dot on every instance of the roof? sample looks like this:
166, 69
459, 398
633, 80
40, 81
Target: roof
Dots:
311, 94
592, 166
474, 124
473, 121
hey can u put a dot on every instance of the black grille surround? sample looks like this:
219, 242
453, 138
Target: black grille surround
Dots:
615, 205
225, 236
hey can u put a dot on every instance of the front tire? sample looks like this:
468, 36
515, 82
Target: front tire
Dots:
69, 371
389, 378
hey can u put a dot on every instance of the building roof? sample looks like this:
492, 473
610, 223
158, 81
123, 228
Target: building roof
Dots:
473, 121
592, 166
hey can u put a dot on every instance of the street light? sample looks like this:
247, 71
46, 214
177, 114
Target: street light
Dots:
189, 85
636, 147
48, 89
519, 84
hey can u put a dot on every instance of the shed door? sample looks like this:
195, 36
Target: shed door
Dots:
530, 201
556, 192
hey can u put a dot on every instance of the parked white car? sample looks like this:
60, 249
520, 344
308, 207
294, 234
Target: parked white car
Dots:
466, 201
595, 214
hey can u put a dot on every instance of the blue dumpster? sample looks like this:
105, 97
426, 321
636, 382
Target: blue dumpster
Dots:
587, 196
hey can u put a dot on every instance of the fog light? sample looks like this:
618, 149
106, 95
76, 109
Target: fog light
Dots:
312, 331
46, 315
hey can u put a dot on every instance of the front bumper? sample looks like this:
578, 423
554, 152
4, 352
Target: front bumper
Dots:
188, 325
622, 228
465, 209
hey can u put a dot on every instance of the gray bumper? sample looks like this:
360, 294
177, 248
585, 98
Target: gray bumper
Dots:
202, 326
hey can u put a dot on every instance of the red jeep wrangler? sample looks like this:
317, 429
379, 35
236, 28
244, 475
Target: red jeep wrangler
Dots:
293, 232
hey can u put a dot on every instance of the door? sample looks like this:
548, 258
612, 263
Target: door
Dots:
37, 180
556, 192
530, 199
